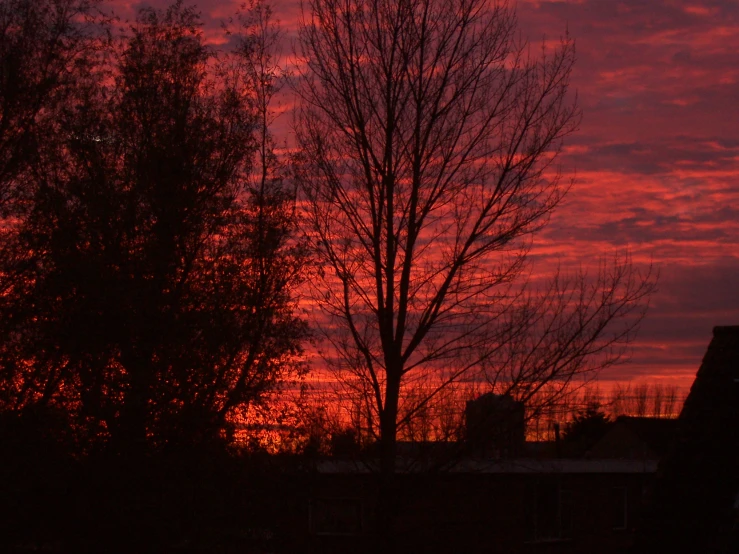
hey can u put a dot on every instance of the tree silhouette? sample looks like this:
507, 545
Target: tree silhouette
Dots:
587, 427
428, 136
159, 271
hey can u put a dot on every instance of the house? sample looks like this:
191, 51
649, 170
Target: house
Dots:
505, 505
635, 438
646, 486
500, 495
694, 504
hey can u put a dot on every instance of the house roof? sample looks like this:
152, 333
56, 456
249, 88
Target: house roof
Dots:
509, 466
658, 433
636, 438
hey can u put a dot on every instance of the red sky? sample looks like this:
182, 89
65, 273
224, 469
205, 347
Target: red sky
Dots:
656, 158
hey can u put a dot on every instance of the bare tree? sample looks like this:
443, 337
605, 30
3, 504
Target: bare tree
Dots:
670, 401
428, 134
641, 399
645, 399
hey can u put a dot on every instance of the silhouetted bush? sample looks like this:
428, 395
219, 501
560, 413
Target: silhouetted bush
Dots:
586, 428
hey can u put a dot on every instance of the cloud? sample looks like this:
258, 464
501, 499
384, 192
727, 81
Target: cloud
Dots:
657, 159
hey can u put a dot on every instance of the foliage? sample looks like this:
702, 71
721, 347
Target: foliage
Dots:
46, 46
587, 427
156, 297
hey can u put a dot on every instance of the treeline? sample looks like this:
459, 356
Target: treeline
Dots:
637, 400
331, 426
150, 255
620, 399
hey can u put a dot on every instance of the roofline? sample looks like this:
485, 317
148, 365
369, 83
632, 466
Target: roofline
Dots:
513, 466
723, 330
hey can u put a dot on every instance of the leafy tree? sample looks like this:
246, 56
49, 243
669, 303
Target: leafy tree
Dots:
159, 300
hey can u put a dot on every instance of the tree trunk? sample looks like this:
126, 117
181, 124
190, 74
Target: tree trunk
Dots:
388, 497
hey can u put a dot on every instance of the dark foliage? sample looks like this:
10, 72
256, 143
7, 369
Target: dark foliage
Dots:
586, 428
148, 283
46, 46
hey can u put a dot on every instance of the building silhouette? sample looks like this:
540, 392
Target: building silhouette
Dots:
695, 498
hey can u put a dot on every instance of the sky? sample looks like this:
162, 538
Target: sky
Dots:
655, 161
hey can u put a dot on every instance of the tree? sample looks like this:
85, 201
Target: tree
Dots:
587, 427
428, 136
160, 297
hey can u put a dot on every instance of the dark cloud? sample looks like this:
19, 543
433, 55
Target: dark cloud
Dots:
693, 298
655, 157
